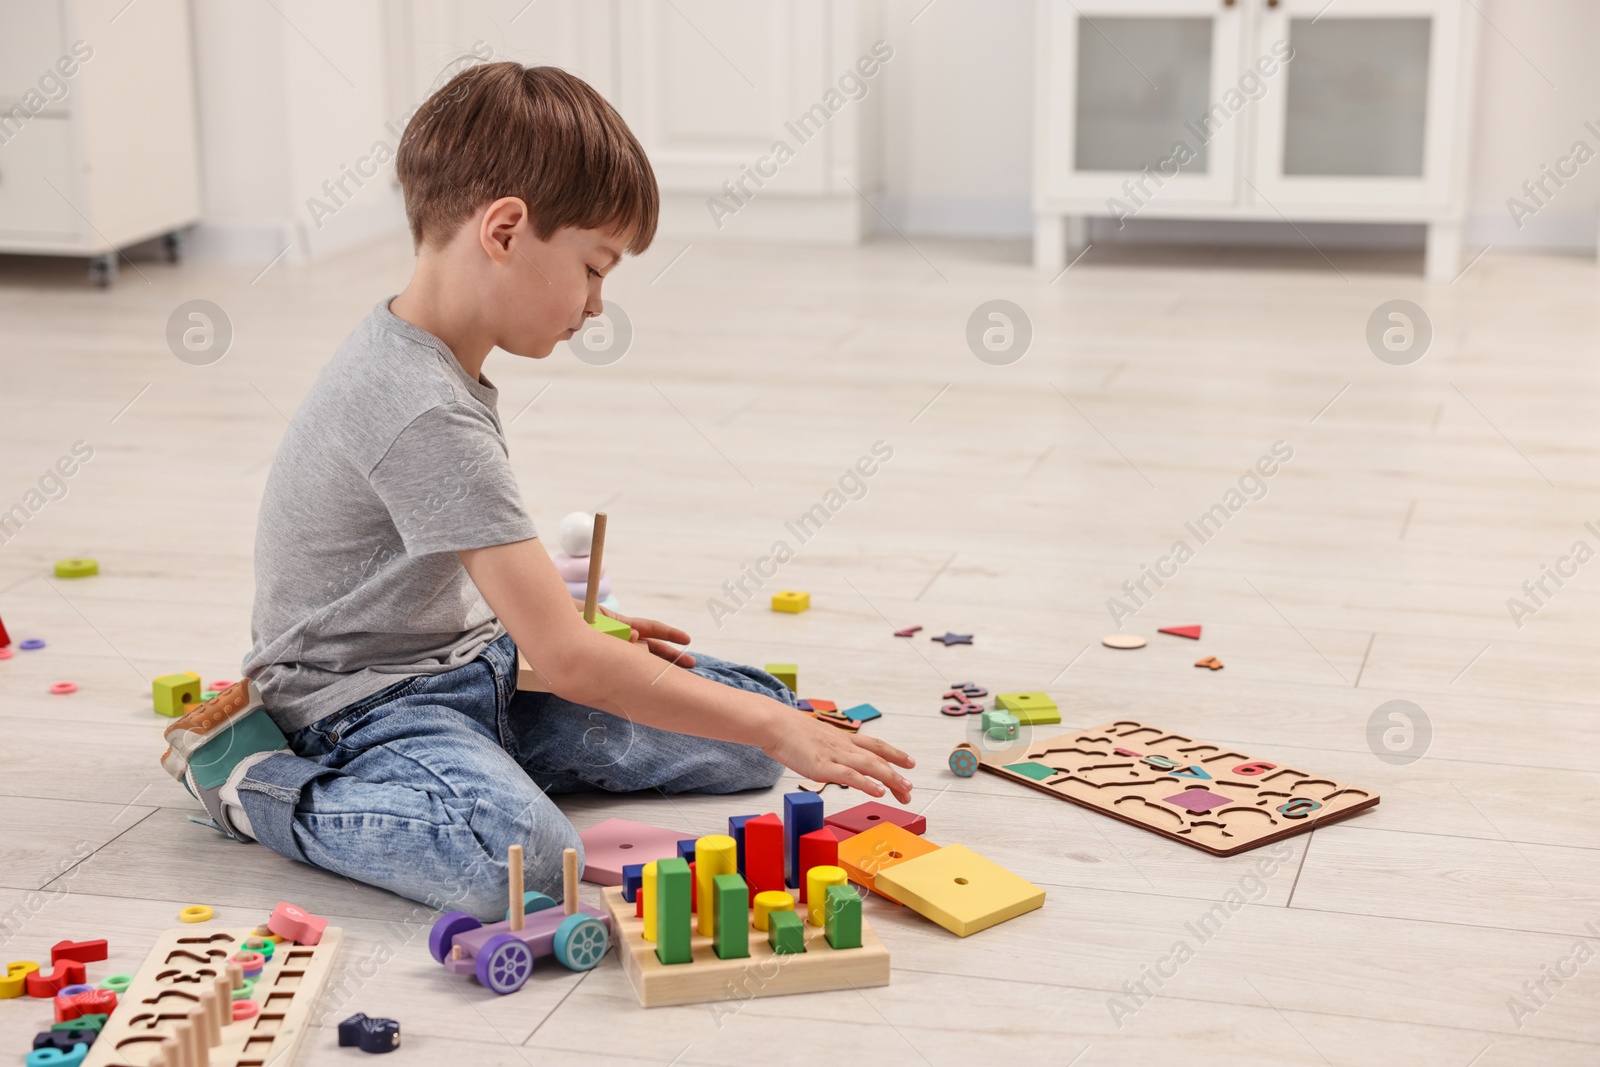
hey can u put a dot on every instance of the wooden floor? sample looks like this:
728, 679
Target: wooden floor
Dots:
1018, 500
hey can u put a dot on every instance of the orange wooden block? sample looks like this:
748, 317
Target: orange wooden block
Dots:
881, 847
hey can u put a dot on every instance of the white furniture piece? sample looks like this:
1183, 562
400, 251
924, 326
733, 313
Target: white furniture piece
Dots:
97, 127
1280, 110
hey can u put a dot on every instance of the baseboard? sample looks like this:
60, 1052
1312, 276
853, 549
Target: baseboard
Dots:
772, 217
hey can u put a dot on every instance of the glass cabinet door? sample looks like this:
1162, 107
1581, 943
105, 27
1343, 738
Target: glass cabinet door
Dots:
1137, 100
1365, 111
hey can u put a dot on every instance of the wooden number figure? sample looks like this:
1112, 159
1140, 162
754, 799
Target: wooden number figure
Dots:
964, 760
501, 955
1298, 808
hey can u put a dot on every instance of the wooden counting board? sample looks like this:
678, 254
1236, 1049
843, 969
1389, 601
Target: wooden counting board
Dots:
186, 960
761, 974
1195, 792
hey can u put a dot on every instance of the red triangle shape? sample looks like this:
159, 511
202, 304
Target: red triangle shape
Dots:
1191, 632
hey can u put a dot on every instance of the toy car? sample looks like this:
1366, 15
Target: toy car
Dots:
501, 954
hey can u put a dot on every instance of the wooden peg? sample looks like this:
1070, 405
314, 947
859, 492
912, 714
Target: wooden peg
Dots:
596, 547
221, 1002
235, 977
569, 881
514, 862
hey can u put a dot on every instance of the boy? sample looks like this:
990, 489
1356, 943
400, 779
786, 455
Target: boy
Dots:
379, 733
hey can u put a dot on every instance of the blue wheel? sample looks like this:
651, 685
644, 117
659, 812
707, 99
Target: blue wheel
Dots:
504, 963
448, 927
581, 942
964, 761
532, 901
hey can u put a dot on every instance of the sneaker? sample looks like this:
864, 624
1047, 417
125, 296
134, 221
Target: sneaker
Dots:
206, 744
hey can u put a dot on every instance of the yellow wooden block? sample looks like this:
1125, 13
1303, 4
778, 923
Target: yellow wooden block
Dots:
868, 854
818, 879
714, 854
768, 902
787, 673
790, 600
171, 692
960, 890
648, 888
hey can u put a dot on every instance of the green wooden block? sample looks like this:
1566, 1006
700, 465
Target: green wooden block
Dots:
1037, 771
842, 916
172, 691
786, 933
611, 627
82, 1022
673, 917
1017, 703
787, 673
730, 909
1000, 725
1038, 717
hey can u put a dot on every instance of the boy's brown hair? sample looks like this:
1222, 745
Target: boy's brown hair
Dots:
538, 133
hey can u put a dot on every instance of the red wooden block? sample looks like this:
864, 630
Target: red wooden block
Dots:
819, 848
763, 854
82, 951
1191, 632
638, 904
5, 638
821, 705
694, 892
296, 924
67, 972
863, 817
94, 1002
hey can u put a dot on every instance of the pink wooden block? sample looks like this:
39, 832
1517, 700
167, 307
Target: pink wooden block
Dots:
610, 845
296, 924
863, 817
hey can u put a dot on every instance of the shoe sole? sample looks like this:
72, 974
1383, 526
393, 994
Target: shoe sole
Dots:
188, 734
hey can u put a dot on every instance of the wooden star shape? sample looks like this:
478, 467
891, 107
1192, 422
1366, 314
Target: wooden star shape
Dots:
948, 639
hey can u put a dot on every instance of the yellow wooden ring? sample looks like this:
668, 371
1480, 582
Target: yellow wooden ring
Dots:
195, 913
77, 568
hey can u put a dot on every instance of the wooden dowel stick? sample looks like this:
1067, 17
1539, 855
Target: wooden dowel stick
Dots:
597, 547
514, 860
569, 881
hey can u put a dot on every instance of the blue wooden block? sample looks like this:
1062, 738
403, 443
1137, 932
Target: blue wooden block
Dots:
802, 813
686, 850
736, 831
370, 1035
632, 880
862, 713
63, 1040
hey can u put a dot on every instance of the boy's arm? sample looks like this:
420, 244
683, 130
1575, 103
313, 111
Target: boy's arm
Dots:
583, 665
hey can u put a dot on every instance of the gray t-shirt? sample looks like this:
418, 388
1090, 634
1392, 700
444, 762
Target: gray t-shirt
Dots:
394, 462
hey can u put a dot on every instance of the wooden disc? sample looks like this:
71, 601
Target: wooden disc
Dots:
1123, 641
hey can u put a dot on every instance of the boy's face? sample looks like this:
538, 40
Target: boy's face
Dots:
544, 290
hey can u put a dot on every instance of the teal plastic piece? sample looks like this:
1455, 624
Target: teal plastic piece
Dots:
532, 901
217, 758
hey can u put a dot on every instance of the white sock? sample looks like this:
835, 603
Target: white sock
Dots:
228, 793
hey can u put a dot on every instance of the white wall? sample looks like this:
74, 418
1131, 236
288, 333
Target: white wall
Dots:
278, 118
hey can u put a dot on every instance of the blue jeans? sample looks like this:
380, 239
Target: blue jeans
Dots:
420, 788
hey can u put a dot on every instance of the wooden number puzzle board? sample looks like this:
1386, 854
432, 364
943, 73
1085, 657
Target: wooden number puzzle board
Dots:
763, 973
182, 965
1221, 801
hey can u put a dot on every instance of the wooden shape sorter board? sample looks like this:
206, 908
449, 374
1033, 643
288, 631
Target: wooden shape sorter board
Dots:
1217, 800
763, 973
166, 988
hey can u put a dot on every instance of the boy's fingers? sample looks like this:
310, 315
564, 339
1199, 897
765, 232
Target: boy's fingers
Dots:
856, 780
882, 748
881, 770
676, 656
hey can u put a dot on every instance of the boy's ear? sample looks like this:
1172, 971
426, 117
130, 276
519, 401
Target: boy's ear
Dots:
502, 220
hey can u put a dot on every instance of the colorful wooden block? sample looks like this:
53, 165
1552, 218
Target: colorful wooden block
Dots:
610, 845
64, 1040
786, 933
1037, 771
802, 813
819, 848
99, 1001
93, 1021
674, 925
818, 881
1191, 632
296, 924
15, 982
817, 705
769, 902
790, 600
82, 951
960, 890
611, 627
842, 916
866, 855
1015, 702
787, 673
171, 692
1038, 717
862, 713
736, 831
647, 899
632, 881
731, 912
864, 817
763, 853
714, 854
65, 973
1000, 725
686, 849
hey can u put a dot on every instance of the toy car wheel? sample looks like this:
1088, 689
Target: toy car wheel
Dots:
504, 963
964, 762
581, 942
532, 901
448, 927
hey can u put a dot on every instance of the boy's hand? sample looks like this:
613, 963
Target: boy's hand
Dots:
825, 753
654, 636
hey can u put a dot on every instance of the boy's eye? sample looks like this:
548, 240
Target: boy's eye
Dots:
596, 273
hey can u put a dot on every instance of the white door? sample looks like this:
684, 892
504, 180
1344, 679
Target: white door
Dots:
709, 86
1368, 116
1132, 89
